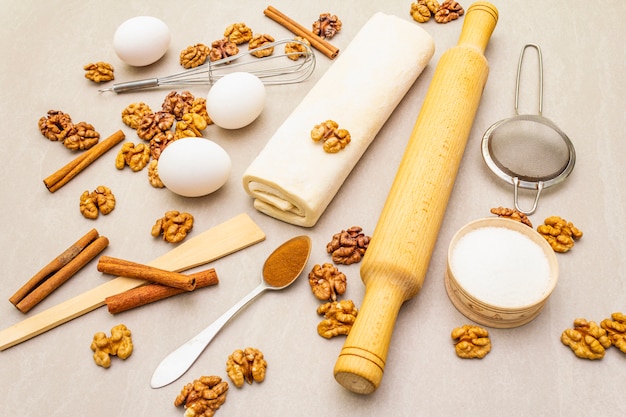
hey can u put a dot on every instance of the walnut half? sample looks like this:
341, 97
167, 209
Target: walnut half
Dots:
471, 342
246, 365
327, 282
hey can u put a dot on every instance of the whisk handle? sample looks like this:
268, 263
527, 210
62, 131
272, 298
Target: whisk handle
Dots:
133, 85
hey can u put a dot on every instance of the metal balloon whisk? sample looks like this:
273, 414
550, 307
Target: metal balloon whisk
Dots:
280, 67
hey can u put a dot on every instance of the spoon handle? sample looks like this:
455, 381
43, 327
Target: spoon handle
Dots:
180, 360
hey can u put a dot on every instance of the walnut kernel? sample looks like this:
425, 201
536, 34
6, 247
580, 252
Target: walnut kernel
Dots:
194, 55
348, 246
120, 344
296, 49
136, 156
471, 342
246, 365
559, 233
258, 42
327, 282
134, 113
81, 136
221, 49
587, 340
56, 125
238, 33
177, 104
174, 226
339, 316
512, 214
202, 397
448, 11
153, 123
326, 26
101, 200
616, 330
191, 125
99, 72
333, 138
153, 174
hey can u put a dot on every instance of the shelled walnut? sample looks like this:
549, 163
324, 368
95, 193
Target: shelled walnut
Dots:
101, 200
99, 72
199, 107
559, 233
246, 365
339, 316
238, 33
81, 136
448, 11
420, 12
587, 340
202, 397
512, 214
174, 226
153, 174
56, 125
119, 344
134, 113
221, 49
191, 125
177, 104
257, 42
326, 26
332, 138
348, 246
136, 156
327, 282
153, 123
295, 50
616, 330
194, 55
159, 142
471, 342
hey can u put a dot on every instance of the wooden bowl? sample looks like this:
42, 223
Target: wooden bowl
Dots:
493, 309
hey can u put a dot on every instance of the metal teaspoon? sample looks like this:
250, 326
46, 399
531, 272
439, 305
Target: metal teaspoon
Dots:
280, 270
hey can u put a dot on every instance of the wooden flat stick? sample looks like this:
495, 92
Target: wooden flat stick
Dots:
318, 43
76, 166
54, 266
55, 281
124, 268
150, 293
223, 239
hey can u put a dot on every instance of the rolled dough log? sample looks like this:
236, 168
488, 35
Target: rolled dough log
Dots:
293, 179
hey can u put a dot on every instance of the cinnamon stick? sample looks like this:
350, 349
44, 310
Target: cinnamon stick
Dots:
76, 166
54, 266
50, 284
318, 43
121, 267
150, 293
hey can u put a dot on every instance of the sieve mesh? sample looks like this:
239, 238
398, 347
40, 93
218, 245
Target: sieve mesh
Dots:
529, 148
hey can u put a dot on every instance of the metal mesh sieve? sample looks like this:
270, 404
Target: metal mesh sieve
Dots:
528, 150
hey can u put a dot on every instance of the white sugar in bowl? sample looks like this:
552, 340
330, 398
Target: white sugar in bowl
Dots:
500, 272
194, 167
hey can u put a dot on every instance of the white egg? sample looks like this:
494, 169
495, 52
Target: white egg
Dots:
141, 40
236, 100
193, 167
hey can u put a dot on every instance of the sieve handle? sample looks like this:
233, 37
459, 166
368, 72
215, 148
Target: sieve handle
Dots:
519, 71
516, 183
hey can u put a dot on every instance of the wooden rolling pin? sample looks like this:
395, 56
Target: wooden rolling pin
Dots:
396, 261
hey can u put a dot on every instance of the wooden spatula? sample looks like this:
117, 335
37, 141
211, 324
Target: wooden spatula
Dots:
237, 233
